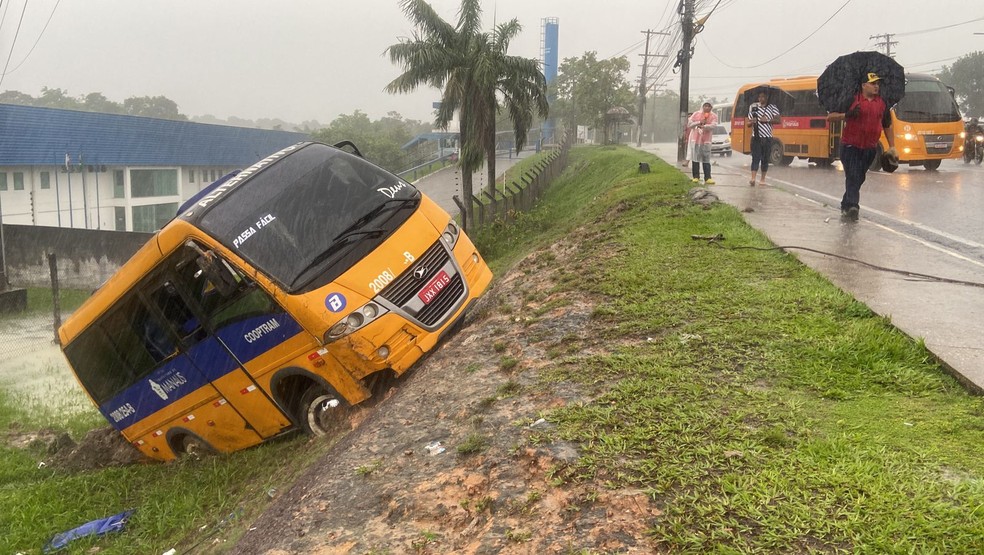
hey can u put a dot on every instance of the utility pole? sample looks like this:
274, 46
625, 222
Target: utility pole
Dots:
683, 61
643, 87
888, 43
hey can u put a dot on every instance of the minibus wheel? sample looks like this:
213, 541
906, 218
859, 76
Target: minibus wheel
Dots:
321, 411
194, 447
932, 164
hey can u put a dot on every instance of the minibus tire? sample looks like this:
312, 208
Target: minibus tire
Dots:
314, 414
194, 447
932, 165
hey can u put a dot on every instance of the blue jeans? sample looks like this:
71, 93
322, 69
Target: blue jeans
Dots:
856, 162
760, 153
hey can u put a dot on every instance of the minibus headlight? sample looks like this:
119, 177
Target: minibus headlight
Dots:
963, 134
356, 319
908, 136
450, 234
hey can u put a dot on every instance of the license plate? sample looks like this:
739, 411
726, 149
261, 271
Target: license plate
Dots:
939, 145
431, 290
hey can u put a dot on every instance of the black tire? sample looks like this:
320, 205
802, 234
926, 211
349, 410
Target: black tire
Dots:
978, 156
194, 447
728, 153
932, 165
775, 153
321, 411
786, 160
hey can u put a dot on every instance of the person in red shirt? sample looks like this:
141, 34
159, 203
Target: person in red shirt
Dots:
863, 125
700, 125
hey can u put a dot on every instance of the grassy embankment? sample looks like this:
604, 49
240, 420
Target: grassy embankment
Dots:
762, 409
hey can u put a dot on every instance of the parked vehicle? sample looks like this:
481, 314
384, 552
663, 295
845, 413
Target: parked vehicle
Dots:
270, 303
720, 141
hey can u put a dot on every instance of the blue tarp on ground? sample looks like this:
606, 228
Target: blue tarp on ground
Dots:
98, 527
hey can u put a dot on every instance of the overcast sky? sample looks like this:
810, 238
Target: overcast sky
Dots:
301, 60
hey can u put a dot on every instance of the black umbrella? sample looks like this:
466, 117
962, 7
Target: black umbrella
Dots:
841, 81
781, 98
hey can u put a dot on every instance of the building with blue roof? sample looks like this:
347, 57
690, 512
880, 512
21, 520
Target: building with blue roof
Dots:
67, 168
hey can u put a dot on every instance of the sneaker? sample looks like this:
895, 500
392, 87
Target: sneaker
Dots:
709, 182
851, 213
695, 180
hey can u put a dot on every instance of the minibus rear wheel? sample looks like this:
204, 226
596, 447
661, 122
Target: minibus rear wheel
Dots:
194, 447
321, 411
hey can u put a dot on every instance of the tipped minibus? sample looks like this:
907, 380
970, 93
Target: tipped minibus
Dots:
270, 303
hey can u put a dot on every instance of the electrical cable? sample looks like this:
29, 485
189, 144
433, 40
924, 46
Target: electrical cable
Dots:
716, 239
13, 42
41, 34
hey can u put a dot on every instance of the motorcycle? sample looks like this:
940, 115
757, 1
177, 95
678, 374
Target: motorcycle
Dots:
974, 146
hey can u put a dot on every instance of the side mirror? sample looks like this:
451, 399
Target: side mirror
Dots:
216, 270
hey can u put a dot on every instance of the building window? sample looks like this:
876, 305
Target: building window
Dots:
191, 175
153, 183
45, 180
120, 218
152, 217
18, 181
119, 191
214, 177
3, 181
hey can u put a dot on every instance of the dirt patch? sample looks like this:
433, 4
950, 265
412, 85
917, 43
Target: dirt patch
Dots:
457, 459
100, 448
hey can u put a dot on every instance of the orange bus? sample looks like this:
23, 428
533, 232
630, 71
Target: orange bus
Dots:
270, 303
927, 124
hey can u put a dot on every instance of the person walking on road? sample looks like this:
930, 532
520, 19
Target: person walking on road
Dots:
761, 116
863, 125
701, 124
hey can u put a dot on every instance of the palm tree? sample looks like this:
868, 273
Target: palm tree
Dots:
472, 68
518, 80
444, 56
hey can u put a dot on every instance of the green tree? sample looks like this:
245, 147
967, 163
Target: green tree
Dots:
57, 98
17, 97
520, 84
153, 107
97, 102
966, 76
443, 56
379, 141
587, 88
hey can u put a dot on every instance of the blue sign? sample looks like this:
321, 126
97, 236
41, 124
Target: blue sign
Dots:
335, 302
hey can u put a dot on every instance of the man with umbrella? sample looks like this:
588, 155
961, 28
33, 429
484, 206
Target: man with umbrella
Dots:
864, 121
762, 114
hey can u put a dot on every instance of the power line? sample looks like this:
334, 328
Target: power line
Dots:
13, 42
939, 28
41, 34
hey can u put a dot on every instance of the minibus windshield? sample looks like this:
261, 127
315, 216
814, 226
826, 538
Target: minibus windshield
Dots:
299, 218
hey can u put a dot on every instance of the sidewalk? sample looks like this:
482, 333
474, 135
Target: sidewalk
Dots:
443, 184
949, 318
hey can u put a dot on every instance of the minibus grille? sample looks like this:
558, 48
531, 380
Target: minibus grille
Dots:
406, 286
938, 144
433, 312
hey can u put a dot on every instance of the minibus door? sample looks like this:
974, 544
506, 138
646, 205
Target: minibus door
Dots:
206, 328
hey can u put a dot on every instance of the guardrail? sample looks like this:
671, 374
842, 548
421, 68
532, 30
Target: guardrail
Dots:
515, 197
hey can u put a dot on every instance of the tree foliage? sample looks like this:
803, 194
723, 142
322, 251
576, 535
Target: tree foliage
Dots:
379, 141
146, 106
471, 68
966, 76
587, 88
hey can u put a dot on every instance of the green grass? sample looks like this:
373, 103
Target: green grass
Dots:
761, 409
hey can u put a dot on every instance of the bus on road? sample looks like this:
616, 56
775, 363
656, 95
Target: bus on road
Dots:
270, 303
927, 124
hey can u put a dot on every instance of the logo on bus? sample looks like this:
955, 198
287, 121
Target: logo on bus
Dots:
168, 385
335, 302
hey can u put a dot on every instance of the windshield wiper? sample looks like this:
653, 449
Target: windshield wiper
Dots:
373, 214
336, 245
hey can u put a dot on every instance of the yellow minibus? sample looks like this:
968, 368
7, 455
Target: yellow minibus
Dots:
927, 124
270, 303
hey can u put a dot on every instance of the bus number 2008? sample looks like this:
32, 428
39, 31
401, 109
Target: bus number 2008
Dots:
384, 279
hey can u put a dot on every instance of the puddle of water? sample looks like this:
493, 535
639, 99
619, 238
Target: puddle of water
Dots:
40, 381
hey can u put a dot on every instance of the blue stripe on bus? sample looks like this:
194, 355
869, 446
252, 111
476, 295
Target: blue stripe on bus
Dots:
205, 362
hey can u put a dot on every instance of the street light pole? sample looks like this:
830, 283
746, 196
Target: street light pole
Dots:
683, 59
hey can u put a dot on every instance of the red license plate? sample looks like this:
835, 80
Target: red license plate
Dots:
431, 290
